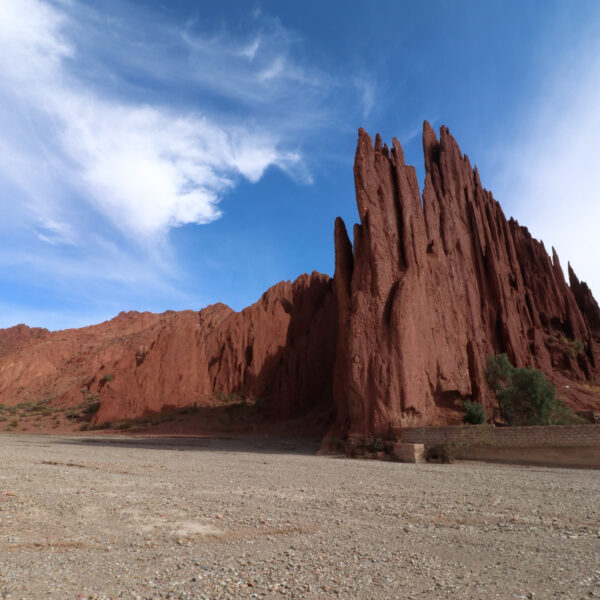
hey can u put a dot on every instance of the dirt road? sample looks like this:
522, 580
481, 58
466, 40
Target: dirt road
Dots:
115, 517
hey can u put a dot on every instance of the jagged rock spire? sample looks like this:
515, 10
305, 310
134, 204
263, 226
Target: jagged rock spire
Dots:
436, 283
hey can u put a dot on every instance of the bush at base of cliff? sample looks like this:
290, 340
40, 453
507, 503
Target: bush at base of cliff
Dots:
440, 453
525, 396
474, 413
563, 415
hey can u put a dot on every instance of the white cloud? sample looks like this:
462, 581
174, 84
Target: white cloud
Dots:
549, 176
250, 50
115, 129
55, 232
31, 41
365, 86
144, 168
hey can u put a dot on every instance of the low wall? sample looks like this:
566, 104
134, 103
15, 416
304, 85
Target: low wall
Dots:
564, 445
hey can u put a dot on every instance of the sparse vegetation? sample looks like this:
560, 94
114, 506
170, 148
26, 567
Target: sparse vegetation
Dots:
230, 398
573, 347
34, 407
563, 415
108, 377
27, 410
525, 396
474, 413
377, 445
440, 453
105, 425
85, 410
91, 408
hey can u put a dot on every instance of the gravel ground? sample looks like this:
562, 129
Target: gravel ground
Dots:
114, 517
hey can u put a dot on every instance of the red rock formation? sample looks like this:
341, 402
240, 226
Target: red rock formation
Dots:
586, 302
433, 286
281, 348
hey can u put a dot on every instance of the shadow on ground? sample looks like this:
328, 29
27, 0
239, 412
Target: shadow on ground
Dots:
243, 444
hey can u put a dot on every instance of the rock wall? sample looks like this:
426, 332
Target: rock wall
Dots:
433, 285
281, 348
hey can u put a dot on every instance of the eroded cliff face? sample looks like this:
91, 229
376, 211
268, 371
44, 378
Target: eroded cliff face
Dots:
433, 285
281, 349
586, 302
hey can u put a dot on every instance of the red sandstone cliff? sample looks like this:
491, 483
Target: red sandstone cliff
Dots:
436, 283
281, 348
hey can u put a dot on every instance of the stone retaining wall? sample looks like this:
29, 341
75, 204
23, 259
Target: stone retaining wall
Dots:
566, 445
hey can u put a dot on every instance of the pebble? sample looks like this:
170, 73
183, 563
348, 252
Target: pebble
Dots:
152, 525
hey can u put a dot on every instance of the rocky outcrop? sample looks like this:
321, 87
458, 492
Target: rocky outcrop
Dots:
586, 302
433, 285
281, 349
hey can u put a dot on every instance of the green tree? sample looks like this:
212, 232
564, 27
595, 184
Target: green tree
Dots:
525, 396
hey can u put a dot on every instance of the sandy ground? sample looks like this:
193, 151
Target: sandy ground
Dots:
112, 517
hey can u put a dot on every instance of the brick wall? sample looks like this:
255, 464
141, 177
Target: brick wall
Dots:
506, 437
564, 445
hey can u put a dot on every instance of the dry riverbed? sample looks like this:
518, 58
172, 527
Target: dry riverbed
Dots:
116, 517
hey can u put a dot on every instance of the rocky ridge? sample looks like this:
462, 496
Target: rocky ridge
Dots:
280, 349
433, 283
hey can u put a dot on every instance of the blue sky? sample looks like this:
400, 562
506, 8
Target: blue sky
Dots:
168, 155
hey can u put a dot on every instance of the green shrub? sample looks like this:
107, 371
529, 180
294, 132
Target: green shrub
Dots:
563, 415
573, 347
376, 445
441, 453
498, 371
525, 396
91, 408
108, 377
474, 413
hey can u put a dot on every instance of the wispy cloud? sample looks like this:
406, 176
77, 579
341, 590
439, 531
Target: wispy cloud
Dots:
145, 168
259, 71
250, 50
365, 86
102, 153
548, 179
